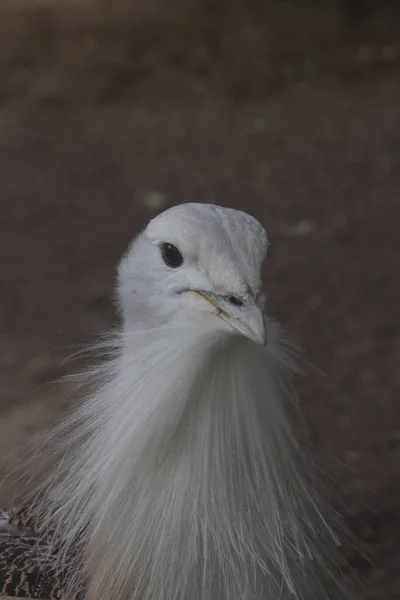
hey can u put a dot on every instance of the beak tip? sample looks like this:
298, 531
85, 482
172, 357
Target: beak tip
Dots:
261, 339
256, 331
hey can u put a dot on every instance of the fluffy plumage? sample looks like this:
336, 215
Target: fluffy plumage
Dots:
179, 476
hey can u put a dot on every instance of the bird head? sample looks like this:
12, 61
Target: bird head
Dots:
196, 264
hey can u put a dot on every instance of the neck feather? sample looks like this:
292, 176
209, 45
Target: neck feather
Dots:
182, 478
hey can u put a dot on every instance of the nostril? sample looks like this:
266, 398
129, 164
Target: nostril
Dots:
235, 301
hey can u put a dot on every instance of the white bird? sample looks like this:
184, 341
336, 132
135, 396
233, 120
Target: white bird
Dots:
181, 478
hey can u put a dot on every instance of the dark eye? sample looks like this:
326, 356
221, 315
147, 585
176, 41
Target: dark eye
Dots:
235, 301
171, 255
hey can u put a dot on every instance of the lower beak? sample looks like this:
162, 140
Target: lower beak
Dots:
251, 324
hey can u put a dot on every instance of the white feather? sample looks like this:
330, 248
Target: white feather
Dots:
181, 478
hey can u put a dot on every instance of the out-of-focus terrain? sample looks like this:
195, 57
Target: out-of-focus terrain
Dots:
111, 111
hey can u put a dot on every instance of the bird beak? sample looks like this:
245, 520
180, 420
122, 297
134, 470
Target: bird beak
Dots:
251, 324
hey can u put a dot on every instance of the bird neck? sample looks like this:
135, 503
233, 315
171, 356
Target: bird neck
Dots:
189, 482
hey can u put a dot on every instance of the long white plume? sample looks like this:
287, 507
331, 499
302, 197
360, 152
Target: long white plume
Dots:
181, 478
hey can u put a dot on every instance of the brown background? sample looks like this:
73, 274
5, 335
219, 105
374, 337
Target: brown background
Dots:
291, 111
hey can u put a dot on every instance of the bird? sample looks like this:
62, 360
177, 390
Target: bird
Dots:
179, 476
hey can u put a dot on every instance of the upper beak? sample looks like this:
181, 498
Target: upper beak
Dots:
251, 323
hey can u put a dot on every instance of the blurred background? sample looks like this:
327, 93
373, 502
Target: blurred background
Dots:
112, 110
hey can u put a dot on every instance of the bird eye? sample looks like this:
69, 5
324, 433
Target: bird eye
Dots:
235, 301
171, 255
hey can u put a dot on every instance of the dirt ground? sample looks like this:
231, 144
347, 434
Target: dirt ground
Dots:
316, 160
